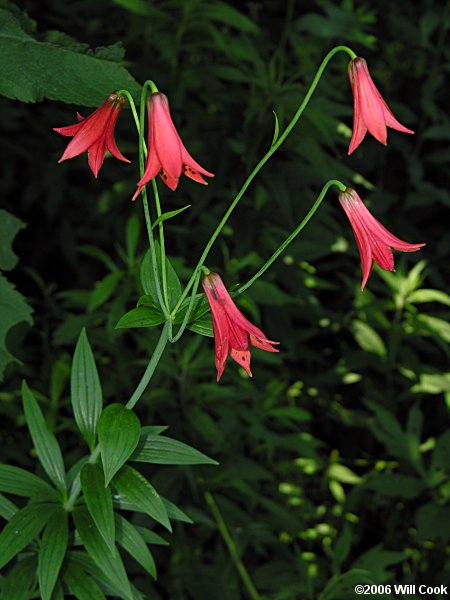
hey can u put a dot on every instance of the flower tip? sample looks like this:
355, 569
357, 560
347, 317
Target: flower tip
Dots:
136, 194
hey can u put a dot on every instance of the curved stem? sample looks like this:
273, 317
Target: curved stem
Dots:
132, 106
231, 546
148, 221
294, 234
148, 373
173, 339
161, 244
275, 145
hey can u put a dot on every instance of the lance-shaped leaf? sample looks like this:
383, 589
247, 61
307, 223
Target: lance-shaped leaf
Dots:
132, 541
118, 435
148, 278
19, 582
141, 493
163, 450
47, 447
142, 316
175, 513
80, 584
86, 391
23, 527
23, 483
99, 502
51, 552
111, 566
7, 508
169, 215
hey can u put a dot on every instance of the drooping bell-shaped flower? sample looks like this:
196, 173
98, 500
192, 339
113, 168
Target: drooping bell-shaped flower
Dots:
232, 331
375, 242
167, 155
95, 134
370, 111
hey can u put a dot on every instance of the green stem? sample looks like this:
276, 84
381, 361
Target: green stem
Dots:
161, 244
132, 106
231, 546
76, 486
275, 145
294, 234
148, 221
145, 380
173, 339
157, 353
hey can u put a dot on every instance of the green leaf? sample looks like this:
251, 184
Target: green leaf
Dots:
22, 528
441, 452
142, 316
9, 227
276, 132
111, 566
7, 508
368, 339
396, 485
224, 13
32, 70
133, 228
176, 513
87, 564
99, 502
152, 430
58, 593
13, 309
342, 546
140, 492
19, 583
51, 552
148, 278
86, 391
429, 295
47, 447
80, 584
343, 474
203, 326
103, 290
150, 537
377, 559
140, 7
118, 435
162, 450
131, 540
23, 483
434, 325
169, 215
432, 383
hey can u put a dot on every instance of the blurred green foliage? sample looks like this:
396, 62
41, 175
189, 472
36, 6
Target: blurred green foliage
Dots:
334, 460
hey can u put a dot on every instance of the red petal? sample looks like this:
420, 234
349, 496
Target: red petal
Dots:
89, 131
165, 136
370, 102
359, 129
110, 140
96, 155
242, 357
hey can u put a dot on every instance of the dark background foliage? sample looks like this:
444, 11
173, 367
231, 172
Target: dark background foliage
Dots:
334, 457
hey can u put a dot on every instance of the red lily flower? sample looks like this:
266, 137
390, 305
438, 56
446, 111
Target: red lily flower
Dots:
370, 111
167, 155
95, 134
374, 241
231, 329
